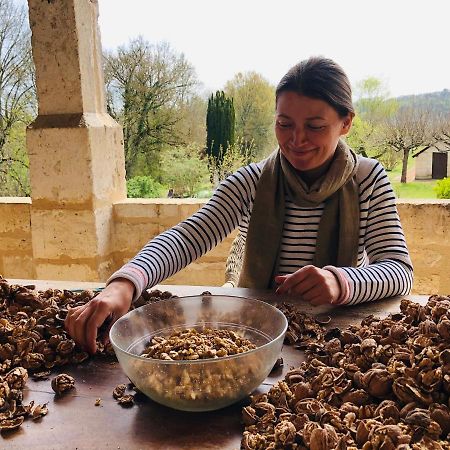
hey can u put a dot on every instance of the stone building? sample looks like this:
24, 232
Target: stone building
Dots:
433, 162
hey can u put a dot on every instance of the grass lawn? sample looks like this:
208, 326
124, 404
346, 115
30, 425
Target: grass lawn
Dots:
414, 189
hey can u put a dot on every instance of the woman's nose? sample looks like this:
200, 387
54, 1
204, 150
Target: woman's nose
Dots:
298, 136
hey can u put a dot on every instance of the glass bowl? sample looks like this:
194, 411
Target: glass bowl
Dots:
203, 384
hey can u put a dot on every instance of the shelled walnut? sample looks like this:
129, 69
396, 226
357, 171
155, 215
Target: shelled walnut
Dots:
62, 383
192, 344
125, 400
200, 382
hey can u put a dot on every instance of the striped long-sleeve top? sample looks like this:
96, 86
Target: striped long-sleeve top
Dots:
383, 269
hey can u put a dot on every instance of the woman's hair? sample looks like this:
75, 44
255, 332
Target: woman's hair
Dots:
319, 78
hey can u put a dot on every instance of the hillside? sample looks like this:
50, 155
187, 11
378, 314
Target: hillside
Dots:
437, 101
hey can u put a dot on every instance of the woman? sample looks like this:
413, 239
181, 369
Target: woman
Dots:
318, 221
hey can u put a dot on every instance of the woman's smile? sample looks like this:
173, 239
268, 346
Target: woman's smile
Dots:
308, 130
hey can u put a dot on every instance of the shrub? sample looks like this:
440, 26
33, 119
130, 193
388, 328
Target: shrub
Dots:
442, 188
183, 170
145, 187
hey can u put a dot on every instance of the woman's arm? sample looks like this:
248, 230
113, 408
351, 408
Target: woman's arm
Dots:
389, 271
177, 247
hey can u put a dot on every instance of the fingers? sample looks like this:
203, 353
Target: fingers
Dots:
312, 284
69, 322
93, 322
298, 282
83, 322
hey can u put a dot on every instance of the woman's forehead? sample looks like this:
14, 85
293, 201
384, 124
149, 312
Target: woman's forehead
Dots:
291, 104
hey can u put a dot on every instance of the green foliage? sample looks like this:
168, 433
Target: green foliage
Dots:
442, 188
17, 98
148, 90
374, 104
367, 134
389, 158
220, 122
414, 189
183, 170
254, 103
145, 187
237, 155
14, 174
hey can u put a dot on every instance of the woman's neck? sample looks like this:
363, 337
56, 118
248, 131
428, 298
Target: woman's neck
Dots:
310, 176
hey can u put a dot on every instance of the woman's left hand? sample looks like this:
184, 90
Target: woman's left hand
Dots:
313, 285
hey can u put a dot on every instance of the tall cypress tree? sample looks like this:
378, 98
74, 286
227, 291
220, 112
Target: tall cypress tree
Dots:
220, 120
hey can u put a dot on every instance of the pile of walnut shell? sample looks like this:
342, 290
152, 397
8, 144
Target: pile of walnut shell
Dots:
33, 342
382, 385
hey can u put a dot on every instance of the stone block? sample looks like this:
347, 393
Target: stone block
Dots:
130, 238
136, 210
69, 272
60, 232
169, 215
14, 217
17, 266
60, 165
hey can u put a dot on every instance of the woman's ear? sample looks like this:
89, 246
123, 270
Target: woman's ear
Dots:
347, 123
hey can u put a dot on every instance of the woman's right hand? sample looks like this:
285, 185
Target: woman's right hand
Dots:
83, 322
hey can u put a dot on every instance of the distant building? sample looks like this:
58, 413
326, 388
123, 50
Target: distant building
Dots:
433, 162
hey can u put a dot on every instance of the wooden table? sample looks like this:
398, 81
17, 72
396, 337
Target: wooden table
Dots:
74, 422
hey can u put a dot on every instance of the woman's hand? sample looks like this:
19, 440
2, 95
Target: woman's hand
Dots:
314, 285
83, 322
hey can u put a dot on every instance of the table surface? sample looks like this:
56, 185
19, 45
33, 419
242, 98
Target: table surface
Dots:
74, 422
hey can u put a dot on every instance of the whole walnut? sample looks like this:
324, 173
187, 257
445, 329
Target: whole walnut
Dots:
443, 328
323, 438
62, 383
398, 333
377, 382
285, 433
441, 415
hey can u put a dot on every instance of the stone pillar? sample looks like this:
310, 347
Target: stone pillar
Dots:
77, 167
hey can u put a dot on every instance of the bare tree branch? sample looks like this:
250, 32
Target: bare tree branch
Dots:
146, 84
17, 96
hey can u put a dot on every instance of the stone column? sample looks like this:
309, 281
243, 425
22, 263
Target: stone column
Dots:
77, 167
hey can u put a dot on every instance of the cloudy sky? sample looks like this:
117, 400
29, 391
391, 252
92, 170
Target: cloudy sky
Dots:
406, 43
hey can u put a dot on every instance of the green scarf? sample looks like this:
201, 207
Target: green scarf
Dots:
338, 236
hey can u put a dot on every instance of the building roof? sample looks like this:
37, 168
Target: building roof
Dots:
436, 147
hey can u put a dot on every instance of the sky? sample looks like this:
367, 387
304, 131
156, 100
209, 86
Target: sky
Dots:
404, 43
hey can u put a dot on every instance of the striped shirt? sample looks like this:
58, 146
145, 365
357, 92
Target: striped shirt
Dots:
383, 268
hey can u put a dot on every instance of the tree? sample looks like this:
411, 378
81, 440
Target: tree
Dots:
17, 97
220, 121
236, 156
146, 87
191, 126
441, 129
184, 170
407, 131
254, 102
373, 107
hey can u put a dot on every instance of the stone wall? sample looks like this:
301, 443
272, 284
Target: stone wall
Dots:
16, 253
135, 221
427, 231
138, 220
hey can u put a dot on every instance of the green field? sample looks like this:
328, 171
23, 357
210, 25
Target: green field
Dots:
414, 189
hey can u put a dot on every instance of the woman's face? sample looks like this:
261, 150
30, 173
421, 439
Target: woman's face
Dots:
308, 129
